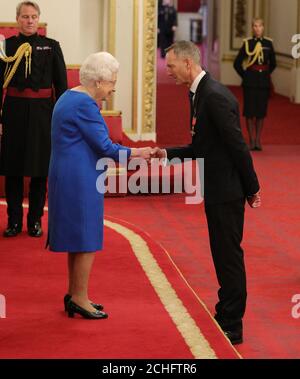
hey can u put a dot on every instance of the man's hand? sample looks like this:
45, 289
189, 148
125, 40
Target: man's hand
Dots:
158, 153
255, 200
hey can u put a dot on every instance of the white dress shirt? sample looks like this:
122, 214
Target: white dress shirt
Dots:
196, 82
193, 89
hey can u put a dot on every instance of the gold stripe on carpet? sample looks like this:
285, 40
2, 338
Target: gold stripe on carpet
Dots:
185, 324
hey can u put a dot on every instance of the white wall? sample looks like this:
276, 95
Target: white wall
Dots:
91, 34
183, 30
283, 23
283, 19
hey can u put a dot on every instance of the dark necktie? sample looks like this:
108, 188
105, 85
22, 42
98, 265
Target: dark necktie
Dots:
191, 96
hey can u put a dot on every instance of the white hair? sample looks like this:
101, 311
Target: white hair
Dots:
98, 66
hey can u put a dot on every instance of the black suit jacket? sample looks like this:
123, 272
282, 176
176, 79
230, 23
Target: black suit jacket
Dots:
228, 168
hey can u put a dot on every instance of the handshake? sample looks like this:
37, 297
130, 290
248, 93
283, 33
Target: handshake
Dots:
148, 153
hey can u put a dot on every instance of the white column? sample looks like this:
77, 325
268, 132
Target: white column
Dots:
130, 35
135, 48
124, 54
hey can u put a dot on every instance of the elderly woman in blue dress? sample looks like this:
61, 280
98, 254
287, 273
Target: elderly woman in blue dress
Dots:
79, 139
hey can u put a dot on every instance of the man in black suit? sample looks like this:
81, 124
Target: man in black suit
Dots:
229, 177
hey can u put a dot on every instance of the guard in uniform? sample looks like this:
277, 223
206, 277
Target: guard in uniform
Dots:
33, 71
167, 24
254, 63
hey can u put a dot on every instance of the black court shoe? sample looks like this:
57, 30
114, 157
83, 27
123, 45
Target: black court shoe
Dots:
67, 298
12, 230
73, 308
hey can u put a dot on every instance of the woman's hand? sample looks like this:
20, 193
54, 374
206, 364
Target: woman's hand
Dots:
143, 152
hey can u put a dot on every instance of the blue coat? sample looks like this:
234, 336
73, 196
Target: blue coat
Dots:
79, 139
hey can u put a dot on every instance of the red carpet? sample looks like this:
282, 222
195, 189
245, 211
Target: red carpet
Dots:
139, 326
34, 280
271, 243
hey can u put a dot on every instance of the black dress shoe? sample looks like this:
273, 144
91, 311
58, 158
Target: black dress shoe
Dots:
12, 230
234, 336
35, 230
233, 329
258, 148
68, 297
73, 308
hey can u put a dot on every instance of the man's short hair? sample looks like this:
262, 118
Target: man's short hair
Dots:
28, 4
98, 66
186, 49
258, 19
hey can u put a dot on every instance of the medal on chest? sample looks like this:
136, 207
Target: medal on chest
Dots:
194, 120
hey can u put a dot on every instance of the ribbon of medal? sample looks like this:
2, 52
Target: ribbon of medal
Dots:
194, 120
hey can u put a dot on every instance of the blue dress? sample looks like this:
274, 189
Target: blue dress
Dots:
79, 138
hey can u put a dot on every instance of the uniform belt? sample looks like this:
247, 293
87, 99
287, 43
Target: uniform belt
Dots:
257, 67
43, 93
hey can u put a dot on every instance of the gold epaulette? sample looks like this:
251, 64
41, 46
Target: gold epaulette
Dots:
253, 56
25, 50
268, 38
247, 39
